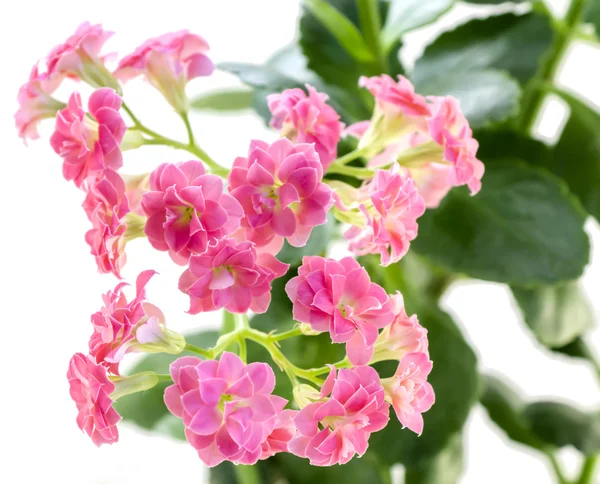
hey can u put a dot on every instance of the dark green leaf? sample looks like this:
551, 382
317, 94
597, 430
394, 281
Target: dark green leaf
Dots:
344, 31
503, 143
231, 100
259, 77
505, 408
317, 244
560, 425
592, 14
456, 384
556, 314
514, 43
508, 232
445, 468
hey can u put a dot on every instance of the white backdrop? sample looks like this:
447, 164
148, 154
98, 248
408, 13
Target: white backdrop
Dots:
50, 285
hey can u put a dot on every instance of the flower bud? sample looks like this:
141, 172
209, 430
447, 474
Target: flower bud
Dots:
154, 337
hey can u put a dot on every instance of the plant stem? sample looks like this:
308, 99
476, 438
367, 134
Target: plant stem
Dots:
188, 128
348, 157
354, 171
200, 351
164, 377
557, 470
287, 334
370, 23
247, 474
587, 472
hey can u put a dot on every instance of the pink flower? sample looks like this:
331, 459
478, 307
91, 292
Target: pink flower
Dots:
231, 276
432, 181
88, 146
227, 407
450, 129
187, 210
36, 103
284, 431
391, 207
90, 388
333, 431
339, 297
307, 119
395, 98
168, 62
410, 393
118, 321
280, 188
405, 335
106, 206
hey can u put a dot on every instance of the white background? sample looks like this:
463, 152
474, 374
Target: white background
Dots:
50, 285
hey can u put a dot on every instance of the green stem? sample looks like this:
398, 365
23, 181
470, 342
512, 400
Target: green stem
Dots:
353, 171
348, 157
287, 334
557, 470
247, 474
164, 377
587, 472
200, 351
370, 23
243, 350
188, 128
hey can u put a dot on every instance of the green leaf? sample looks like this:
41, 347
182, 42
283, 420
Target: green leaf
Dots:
259, 77
316, 245
230, 100
344, 31
406, 15
514, 43
170, 425
560, 425
557, 315
445, 468
147, 408
486, 96
456, 384
508, 232
505, 408
592, 14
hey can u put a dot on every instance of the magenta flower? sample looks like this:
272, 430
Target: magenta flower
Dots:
405, 335
333, 431
284, 431
231, 275
450, 129
410, 393
88, 146
187, 210
227, 408
307, 119
106, 206
118, 321
339, 297
280, 188
391, 206
90, 389
168, 62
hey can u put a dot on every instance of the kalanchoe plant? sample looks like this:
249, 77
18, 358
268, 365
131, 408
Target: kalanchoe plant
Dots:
321, 357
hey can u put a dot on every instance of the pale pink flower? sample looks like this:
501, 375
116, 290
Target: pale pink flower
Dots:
339, 297
90, 389
168, 62
89, 145
227, 407
36, 103
187, 210
391, 208
231, 275
106, 206
333, 431
409, 392
395, 98
432, 181
284, 431
118, 321
281, 190
405, 335
307, 119
450, 129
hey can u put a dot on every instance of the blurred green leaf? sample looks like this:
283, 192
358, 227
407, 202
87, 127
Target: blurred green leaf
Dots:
505, 143
170, 425
444, 468
344, 31
508, 231
317, 244
406, 15
560, 425
259, 77
592, 14
230, 100
456, 384
557, 315
505, 408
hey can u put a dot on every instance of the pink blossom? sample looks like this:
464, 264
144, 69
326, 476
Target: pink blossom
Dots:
168, 62
432, 181
339, 297
106, 206
187, 209
90, 388
410, 393
450, 129
391, 207
117, 322
395, 98
36, 103
231, 275
307, 119
284, 431
405, 334
280, 188
227, 408
333, 431
88, 146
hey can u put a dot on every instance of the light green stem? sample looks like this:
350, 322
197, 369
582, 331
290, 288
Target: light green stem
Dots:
556, 467
587, 472
348, 157
200, 351
370, 23
354, 171
288, 334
